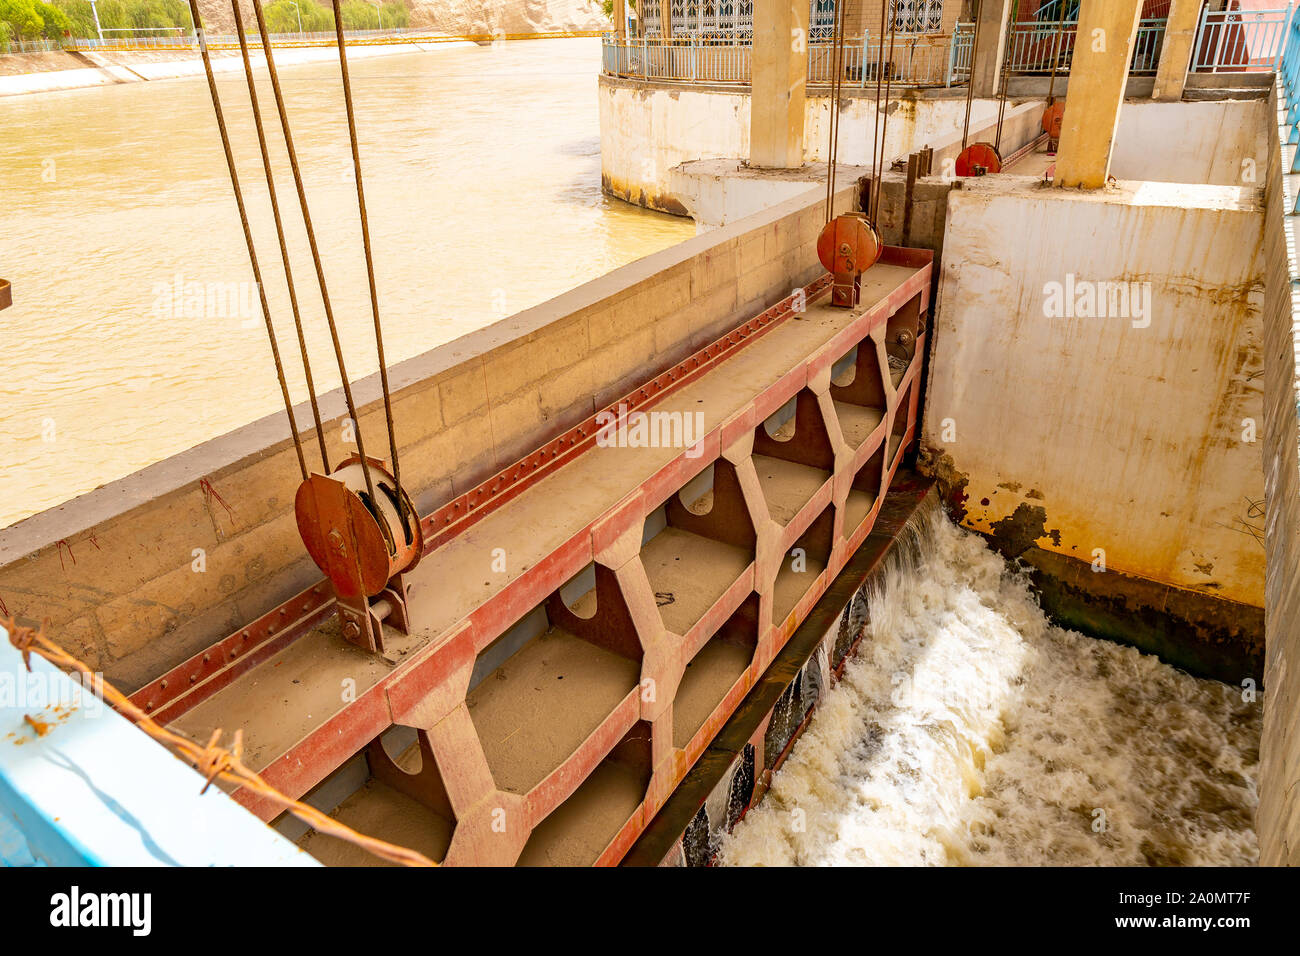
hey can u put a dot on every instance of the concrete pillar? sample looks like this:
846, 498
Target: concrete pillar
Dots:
1176, 53
991, 26
779, 69
620, 18
1098, 75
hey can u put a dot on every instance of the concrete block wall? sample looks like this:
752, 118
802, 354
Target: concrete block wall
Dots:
1070, 434
647, 129
1278, 818
138, 575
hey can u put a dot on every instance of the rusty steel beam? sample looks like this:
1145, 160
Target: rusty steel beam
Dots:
190, 683
392, 699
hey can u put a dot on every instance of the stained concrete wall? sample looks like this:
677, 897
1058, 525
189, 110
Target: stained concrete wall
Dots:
714, 192
140, 574
1222, 143
1278, 821
1073, 434
646, 129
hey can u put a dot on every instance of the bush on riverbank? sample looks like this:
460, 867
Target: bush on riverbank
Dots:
281, 17
34, 19
30, 20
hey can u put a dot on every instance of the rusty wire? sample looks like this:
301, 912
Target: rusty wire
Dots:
212, 761
833, 118
279, 231
370, 262
264, 35
1006, 73
248, 232
970, 73
884, 121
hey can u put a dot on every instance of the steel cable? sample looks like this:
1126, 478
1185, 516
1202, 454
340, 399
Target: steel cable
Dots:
370, 264
263, 34
279, 231
200, 33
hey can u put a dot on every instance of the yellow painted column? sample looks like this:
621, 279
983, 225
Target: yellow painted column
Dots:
665, 17
779, 71
1098, 75
1176, 53
992, 35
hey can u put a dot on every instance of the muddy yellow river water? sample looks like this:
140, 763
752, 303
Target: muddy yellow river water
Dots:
135, 332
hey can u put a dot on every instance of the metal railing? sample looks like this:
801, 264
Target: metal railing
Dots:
1236, 41
186, 40
30, 46
914, 61
1233, 40
1288, 69
1033, 47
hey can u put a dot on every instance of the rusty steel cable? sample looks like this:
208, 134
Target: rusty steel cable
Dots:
1006, 75
1056, 61
248, 232
279, 231
211, 760
884, 122
833, 117
264, 36
970, 74
875, 118
370, 263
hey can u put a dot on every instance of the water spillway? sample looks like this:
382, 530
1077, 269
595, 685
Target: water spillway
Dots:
968, 730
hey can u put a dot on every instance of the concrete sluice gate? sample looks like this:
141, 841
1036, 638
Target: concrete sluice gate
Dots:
553, 720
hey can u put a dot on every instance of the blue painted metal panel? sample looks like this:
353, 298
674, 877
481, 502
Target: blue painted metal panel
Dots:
94, 790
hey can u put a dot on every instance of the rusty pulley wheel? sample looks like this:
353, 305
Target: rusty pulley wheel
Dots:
1053, 116
848, 246
978, 159
360, 544
849, 243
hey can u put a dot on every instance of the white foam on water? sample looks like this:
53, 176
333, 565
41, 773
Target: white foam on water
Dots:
968, 730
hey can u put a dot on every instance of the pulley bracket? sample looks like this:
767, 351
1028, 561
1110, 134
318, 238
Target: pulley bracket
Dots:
848, 246
364, 545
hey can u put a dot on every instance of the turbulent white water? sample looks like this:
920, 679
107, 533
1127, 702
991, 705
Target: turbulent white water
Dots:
970, 731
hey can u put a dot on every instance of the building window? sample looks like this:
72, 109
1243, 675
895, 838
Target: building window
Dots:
918, 16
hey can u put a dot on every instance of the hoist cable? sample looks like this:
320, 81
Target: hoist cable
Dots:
200, 33
370, 263
970, 74
884, 122
1056, 59
279, 231
264, 34
875, 118
1006, 74
833, 120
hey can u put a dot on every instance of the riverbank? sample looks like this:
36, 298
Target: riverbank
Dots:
50, 72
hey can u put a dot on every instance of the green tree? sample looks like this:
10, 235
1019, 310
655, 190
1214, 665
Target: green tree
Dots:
281, 17
396, 16
80, 16
358, 15
56, 21
22, 17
